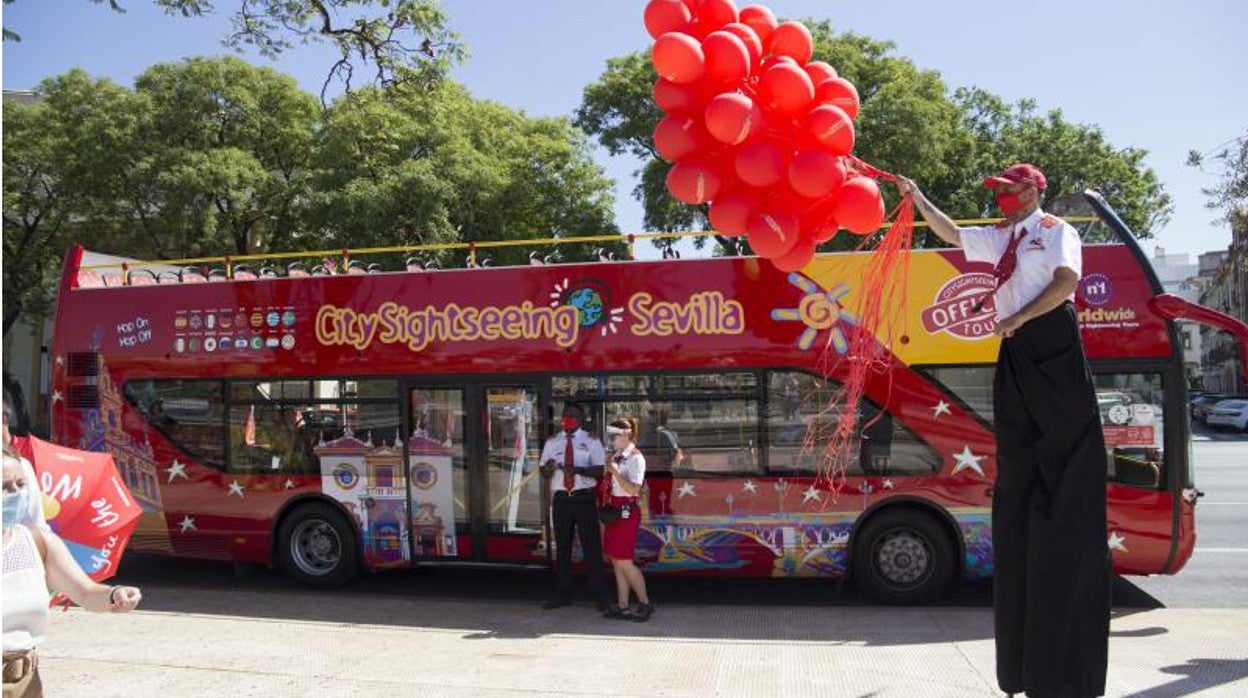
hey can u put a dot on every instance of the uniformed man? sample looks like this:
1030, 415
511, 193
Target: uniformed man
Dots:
1052, 586
574, 461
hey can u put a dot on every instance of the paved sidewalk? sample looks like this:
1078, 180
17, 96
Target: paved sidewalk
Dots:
457, 647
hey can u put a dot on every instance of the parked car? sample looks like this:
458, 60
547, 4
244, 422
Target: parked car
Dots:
1204, 403
1230, 413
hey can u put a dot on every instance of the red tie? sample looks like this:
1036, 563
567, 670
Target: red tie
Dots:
1005, 268
569, 459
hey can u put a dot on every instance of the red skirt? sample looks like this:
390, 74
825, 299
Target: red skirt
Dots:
619, 538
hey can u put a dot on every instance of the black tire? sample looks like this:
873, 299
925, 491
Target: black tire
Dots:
902, 556
316, 546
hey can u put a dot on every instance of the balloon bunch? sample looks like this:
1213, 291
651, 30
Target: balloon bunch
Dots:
758, 130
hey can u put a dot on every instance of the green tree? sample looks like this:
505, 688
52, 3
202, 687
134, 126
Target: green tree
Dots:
440, 166
1229, 163
909, 123
396, 40
58, 167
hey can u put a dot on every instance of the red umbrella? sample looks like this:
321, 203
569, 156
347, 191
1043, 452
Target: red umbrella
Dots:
86, 503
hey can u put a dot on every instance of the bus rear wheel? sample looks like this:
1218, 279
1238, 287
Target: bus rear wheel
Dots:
902, 556
317, 547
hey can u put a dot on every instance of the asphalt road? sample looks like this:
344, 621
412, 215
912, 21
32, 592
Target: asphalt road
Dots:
1216, 576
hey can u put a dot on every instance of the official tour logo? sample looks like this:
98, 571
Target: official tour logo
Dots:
963, 308
1096, 289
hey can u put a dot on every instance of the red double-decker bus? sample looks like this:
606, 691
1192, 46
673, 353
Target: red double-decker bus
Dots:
330, 423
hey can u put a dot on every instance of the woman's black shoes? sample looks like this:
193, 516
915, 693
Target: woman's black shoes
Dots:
642, 612
614, 612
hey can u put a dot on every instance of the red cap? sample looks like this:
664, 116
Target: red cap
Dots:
1021, 173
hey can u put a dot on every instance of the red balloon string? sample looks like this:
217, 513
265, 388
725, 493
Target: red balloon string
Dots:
876, 325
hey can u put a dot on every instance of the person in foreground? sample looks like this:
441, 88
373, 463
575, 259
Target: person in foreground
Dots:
1052, 584
627, 470
35, 559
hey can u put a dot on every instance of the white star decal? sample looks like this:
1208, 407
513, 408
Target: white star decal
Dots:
749, 486
888, 484
235, 489
941, 407
188, 524
177, 470
968, 461
1116, 542
290, 485
686, 490
60, 360
811, 493
56, 396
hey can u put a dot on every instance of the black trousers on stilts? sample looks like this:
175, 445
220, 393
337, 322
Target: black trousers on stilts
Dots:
1052, 586
577, 511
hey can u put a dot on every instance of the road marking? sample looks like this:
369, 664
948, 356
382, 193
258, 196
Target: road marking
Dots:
1222, 550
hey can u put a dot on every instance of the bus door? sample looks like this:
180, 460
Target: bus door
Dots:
475, 488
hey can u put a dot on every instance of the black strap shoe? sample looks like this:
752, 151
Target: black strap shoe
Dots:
643, 612
616, 613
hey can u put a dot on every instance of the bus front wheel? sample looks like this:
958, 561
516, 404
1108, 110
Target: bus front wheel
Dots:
317, 547
902, 556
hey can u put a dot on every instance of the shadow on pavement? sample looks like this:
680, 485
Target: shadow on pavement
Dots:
1198, 675
494, 603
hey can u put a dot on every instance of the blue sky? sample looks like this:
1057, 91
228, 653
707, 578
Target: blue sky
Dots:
1167, 77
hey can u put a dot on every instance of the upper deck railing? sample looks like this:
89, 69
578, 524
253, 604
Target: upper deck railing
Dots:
319, 263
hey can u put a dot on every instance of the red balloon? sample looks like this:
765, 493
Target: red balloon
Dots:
674, 98
839, 92
792, 39
785, 88
678, 57
727, 58
694, 180
752, 43
820, 71
732, 117
679, 135
730, 212
760, 164
797, 258
832, 128
663, 16
714, 14
818, 225
859, 206
761, 20
773, 233
816, 173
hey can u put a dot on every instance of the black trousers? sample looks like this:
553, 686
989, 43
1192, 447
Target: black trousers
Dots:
1052, 587
577, 511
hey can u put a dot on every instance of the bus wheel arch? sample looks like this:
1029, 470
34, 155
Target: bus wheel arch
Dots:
904, 550
315, 542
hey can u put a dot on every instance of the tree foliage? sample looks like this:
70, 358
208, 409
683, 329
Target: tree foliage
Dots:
394, 41
911, 124
216, 156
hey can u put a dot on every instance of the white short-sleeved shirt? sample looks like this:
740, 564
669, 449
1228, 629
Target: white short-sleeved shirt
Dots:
632, 467
587, 452
1048, 243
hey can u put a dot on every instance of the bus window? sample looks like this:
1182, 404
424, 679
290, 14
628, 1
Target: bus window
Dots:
800, 405
972, 385
189, 413
1132, 418
709, 436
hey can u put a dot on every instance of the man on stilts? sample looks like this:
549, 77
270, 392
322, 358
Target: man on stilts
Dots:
1052, 586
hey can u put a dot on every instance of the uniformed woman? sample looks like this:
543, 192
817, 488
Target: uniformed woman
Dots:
627, 471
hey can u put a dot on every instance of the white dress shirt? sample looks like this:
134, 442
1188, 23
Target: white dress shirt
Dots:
587, 452
632, 468
1048, 243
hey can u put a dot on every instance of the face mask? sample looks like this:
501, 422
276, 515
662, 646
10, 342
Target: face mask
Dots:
571, 423
14, 507
1010, 204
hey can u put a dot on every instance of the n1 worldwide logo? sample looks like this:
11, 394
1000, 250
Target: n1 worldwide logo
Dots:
963, 307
